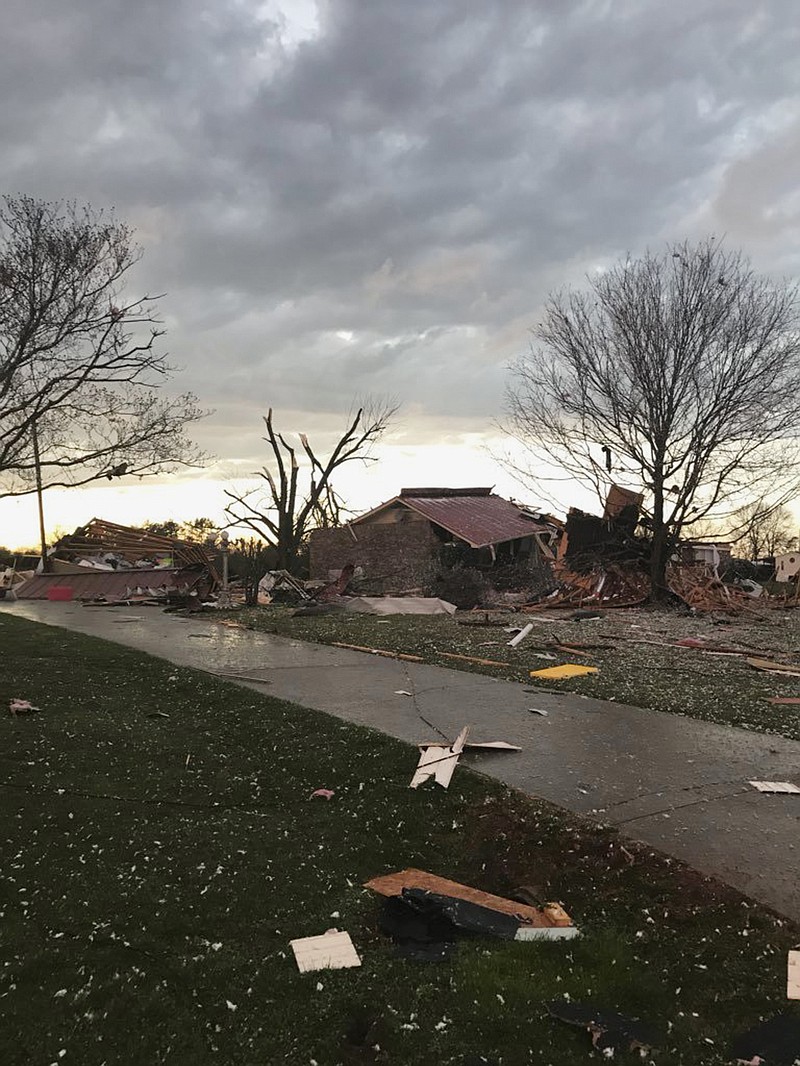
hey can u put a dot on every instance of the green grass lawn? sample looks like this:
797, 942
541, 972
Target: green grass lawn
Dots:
722, 689
154, 870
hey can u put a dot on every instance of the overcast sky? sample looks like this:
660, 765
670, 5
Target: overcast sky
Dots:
363, 196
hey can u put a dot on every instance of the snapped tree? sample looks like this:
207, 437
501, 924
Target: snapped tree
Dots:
293, 505
678, 375
80, 373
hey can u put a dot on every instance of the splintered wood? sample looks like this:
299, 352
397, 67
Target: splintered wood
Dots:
700, 588
609, 586
438, 762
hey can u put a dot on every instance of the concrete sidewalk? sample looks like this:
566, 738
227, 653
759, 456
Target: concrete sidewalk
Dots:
677, 784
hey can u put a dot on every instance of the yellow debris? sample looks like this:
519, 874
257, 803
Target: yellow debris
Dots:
558, 673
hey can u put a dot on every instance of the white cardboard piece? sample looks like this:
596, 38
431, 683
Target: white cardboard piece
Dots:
793, 976
331, 951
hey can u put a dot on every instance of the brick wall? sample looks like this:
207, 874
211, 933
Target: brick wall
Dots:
392, 557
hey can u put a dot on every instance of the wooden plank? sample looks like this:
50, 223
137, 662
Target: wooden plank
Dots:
472, 659
551, 915
379, 651
775, 786
773, 667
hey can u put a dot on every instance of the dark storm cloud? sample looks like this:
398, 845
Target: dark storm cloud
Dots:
380, 201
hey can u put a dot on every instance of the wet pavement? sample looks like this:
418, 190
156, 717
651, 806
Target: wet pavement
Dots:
677, 784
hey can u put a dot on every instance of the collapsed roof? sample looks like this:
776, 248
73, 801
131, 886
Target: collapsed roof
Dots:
133, 545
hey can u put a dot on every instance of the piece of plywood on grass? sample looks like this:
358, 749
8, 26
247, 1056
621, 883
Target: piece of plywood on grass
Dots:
793, 976
551, 916
439, 762
331, 951
774, 786
559, 673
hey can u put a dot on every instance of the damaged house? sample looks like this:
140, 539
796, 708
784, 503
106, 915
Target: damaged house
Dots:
408, 541
106, 562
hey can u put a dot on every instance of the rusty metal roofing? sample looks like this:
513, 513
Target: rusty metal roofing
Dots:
478, 520
111, 584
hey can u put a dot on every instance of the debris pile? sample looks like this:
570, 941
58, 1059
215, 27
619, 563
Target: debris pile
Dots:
106, 563
700, 588
612, 585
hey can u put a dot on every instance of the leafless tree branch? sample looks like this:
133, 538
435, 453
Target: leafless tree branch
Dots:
686, 365
283, 516
78, 361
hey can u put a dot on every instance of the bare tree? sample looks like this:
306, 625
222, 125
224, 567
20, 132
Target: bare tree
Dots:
80, 373
763, 530
677, 374
288, 512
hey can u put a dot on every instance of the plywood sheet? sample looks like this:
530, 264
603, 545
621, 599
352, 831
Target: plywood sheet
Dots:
551, 915
775, 786
793, 976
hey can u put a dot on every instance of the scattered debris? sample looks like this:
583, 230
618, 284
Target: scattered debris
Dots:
793, 975
775, 1042
523, 633
403, 692
399, 605
585, 616
549, 922
537, 710
321, 793
558, 673
21, 708
283, 588
158, 714
331, 951
610, 1031
790, 669
787, 701
434, 763
379, 651
774, 786
241, 677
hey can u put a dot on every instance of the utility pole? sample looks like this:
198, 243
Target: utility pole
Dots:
38, 470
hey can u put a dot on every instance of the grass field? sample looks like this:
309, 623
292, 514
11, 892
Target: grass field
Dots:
154, 870
629, 646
